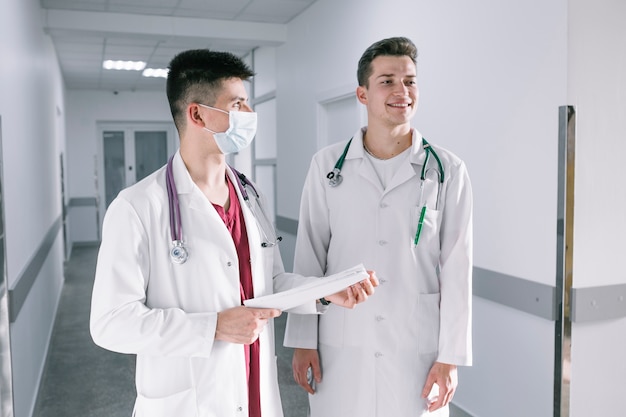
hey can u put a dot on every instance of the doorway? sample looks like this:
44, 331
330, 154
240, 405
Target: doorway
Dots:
127, 153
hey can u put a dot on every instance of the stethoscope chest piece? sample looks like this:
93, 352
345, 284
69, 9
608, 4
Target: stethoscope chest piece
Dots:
334, 177
178, 253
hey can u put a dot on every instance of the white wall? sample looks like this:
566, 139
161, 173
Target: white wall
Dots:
265, 71
597, 87
492, 75
33, 111
84, 110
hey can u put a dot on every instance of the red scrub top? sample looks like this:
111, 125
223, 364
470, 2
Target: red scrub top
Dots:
234, 221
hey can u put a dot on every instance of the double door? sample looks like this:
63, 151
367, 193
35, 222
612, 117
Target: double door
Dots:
129, 153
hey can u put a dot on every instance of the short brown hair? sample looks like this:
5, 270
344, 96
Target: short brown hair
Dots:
398, 46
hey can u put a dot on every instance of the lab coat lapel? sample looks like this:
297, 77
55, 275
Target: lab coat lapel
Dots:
192, 200
418, 155
188, 193
404, 174
254, 237
407, 169
365, 169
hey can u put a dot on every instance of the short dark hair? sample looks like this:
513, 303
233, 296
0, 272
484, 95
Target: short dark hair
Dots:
398, 46
196, 75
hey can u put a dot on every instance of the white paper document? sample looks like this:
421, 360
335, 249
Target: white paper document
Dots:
297, 296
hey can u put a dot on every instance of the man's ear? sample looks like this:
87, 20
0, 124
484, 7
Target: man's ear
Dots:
361, 94
193, 115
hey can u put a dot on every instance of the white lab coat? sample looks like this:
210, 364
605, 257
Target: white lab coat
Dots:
166, 313
375, 358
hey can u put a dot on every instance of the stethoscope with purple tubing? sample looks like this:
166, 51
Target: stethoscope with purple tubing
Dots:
179, 252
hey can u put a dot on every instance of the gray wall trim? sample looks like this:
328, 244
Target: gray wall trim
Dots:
456, 411
264, 161
19, 292
286, 224
86, 244
83, 201
528, 296
598, 303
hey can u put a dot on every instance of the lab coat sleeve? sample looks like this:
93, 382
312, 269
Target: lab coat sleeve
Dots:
120, 319
311, 252
455, 335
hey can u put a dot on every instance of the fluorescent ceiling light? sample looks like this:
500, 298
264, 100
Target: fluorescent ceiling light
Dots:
124, 65
155, 72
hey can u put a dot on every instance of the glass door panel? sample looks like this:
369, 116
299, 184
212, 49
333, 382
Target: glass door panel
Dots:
150, 152
114, 164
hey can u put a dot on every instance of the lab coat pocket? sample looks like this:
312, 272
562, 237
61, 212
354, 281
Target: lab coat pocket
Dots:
428, 323
179, 404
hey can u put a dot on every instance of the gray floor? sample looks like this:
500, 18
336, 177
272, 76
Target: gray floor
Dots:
81, 379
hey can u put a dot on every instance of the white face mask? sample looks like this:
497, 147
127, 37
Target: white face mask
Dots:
240, 132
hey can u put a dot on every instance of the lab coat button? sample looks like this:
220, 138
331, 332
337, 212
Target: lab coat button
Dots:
382, 242
240, 409
384, 205
229, 263
380, 318
378, 354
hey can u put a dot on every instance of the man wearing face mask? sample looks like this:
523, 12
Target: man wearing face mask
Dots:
170, 288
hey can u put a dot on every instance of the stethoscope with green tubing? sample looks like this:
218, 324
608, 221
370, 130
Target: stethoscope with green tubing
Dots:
335, 178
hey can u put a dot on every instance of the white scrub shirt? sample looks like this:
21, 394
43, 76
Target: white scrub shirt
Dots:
375, 358
166, 313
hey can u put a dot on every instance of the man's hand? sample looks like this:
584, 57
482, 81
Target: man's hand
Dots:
303, 360
243, 324
445, 376
356, 293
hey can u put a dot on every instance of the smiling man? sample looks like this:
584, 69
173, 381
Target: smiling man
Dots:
404, 208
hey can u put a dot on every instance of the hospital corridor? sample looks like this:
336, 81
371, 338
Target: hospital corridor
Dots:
471, 153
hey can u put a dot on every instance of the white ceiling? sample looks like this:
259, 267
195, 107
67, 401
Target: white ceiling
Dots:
87, 32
